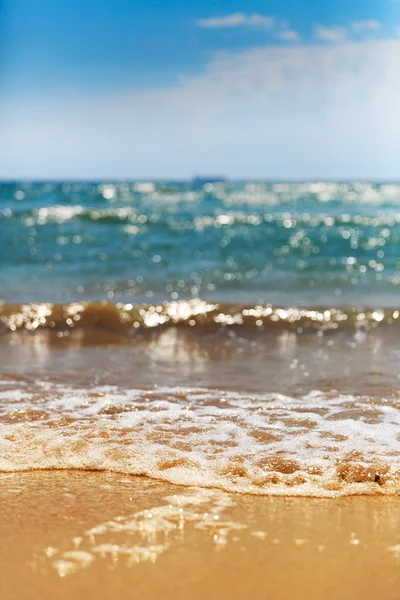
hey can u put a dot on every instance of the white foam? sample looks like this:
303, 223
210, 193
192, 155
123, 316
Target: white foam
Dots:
144, 535
318, 444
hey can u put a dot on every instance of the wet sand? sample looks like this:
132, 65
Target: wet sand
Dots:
102, 535
84, 534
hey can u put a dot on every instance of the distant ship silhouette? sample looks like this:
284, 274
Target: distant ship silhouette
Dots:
200, 180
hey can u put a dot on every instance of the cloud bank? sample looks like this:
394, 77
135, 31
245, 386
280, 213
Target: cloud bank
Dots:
316, 110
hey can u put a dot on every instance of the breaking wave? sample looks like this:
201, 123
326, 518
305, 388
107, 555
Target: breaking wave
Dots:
191, 313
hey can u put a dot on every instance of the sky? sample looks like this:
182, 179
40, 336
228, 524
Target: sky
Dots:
140, 89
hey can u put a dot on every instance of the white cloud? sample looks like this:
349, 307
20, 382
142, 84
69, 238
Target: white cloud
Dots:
369, 25
310, 110
330, 34
256, 21
338, 34
237, 20
289, 35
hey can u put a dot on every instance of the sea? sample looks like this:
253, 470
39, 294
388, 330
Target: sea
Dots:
240, 335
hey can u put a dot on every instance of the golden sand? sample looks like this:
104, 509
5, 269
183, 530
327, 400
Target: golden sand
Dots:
106, 536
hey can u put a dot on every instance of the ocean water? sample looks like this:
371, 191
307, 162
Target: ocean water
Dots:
239, 335
306, 243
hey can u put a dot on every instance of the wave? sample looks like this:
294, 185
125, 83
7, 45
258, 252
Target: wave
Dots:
60, 214
194, 313
320, 444
225, 215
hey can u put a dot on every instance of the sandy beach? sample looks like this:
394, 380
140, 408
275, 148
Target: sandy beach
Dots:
199, 390
199, 300
71, 534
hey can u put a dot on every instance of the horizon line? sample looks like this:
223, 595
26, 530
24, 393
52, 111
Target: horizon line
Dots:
205, 179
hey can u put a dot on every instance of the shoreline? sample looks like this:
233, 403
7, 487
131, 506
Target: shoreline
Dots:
68, 534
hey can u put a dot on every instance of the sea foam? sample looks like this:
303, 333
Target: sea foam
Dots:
319, 444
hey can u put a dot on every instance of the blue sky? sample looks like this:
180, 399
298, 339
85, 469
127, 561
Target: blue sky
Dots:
135, 89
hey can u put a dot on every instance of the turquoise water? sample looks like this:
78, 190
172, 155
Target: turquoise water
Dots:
253, 367
305, 244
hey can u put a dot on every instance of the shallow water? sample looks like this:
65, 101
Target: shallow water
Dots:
203, 409
239, 336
